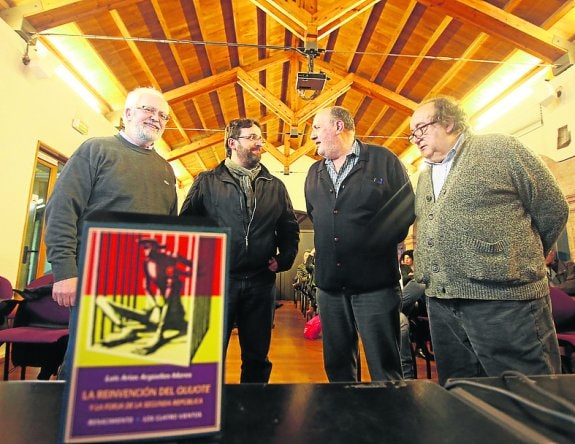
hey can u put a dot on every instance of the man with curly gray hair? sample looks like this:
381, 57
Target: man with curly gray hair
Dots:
488, 211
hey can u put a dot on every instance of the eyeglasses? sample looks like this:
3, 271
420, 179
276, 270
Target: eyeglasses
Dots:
420, 131
253, 138
153, 111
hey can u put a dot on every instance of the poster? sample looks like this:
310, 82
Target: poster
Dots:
147, 336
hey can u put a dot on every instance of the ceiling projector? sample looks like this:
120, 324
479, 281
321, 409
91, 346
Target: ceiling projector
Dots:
310, 81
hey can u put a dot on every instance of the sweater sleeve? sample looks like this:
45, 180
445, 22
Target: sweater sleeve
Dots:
539, 193
63, 211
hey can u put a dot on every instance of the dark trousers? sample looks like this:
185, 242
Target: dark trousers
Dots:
473, 338
250, 307
407, 364
375, 316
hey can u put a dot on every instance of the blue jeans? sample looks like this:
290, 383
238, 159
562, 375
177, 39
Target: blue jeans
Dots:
375, 316
473, 338
250, 306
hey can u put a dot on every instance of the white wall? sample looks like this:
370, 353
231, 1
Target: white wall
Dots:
32, 110
536, 119
294, 181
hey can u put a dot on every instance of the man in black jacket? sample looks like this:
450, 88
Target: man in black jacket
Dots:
241, 194
360, 201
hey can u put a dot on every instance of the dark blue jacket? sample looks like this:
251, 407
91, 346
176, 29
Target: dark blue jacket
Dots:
356, 234
272, 231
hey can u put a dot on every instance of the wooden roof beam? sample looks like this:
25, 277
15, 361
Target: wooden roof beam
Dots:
308, 147
275, 105
212, 83
168, 34
277, 154
337, 16
501, 24
134, 49
286, 14
196, 146
391, 98
202, 86
66, 11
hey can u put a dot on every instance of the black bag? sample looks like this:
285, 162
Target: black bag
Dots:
6, 307
31, 294
47, 356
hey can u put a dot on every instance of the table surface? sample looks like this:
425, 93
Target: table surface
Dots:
554, 393
403, 412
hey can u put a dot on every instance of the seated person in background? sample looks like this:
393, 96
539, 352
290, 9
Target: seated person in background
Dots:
311, 288
561, 274
406, 266
302, 276
412, 293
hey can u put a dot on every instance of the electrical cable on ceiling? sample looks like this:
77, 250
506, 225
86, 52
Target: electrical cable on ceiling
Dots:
283, 48
361, 136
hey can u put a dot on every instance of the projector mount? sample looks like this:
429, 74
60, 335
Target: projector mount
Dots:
310, 81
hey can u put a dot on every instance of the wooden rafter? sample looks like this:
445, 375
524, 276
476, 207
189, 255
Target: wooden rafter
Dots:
498, 23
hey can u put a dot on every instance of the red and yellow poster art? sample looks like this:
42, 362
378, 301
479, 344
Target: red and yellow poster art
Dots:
147, 337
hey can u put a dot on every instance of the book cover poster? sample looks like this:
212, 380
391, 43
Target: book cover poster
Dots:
147, 338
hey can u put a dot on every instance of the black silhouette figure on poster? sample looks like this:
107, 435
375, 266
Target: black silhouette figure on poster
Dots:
163, 271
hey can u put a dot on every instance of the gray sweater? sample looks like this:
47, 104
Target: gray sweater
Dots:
498, 214
103, 174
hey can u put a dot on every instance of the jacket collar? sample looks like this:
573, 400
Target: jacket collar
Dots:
363, 155
221, 169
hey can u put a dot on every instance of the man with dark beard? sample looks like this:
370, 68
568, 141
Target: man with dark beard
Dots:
241, 194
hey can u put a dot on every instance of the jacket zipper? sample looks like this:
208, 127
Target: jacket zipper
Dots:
254, 211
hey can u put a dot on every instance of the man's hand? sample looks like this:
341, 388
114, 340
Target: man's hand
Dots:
273, 265
64, 292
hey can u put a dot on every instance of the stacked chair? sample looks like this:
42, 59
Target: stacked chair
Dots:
563, 309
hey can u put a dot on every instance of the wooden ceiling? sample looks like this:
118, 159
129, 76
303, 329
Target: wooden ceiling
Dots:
216, 60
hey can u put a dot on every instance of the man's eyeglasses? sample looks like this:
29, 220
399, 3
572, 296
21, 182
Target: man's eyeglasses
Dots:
153, 111
253, 138
418, 133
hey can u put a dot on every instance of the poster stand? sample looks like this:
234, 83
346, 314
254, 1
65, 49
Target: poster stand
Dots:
145, 359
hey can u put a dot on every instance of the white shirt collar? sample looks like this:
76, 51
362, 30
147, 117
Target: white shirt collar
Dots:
451, 153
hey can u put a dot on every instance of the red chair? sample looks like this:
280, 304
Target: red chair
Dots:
563, 310
40, 333
6, 291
